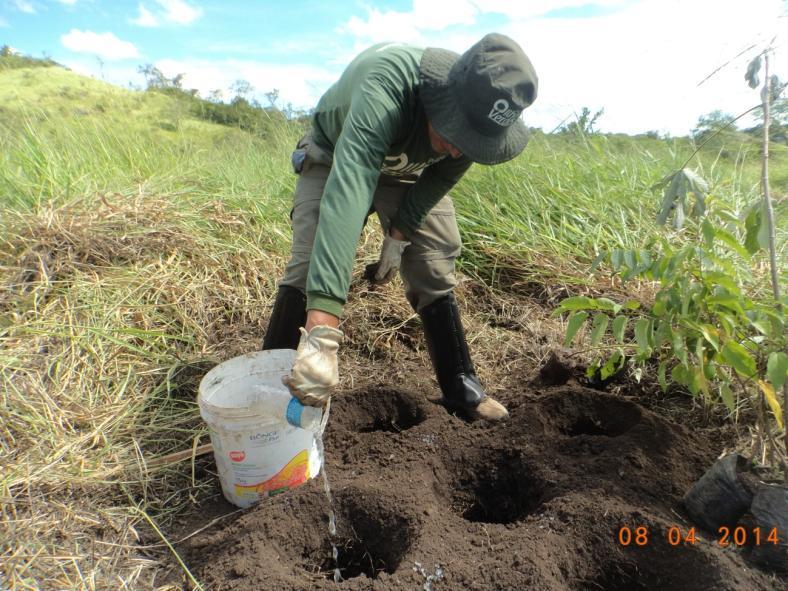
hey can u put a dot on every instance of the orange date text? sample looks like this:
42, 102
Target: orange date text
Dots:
641, 535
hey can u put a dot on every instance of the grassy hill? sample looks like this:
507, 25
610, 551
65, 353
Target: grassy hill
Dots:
141, 244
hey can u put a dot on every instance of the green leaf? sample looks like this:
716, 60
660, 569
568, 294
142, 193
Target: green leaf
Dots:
576, 320
662, 333
727, 396
606, 304
612, 365
631, 305
615, 259
717, 278
592, 369
641, 335
695, 380
707, 228
739, 358
727, 322
777, 369
680, 347
710, 370
598, 260
686, 297
711, 334
752, 226
681, 375
763, 231
660, 305
629, 259
733, 243
575, 303
776, 320
726, 300
762, 326
619, 326
663, 381
644, 259
598, 328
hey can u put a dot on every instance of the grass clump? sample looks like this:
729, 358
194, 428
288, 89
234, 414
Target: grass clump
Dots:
110, 315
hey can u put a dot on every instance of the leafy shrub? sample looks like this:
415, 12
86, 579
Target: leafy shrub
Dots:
704, 329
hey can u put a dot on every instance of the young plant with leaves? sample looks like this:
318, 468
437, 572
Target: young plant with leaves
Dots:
703, 329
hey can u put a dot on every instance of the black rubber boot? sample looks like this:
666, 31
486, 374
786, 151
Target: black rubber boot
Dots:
288, 315
449, 353
452, 362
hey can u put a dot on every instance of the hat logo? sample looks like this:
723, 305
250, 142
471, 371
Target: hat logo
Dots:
502, 114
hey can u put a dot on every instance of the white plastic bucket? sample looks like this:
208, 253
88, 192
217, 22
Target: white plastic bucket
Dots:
258, 453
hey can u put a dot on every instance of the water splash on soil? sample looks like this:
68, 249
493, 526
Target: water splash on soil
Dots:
332, 517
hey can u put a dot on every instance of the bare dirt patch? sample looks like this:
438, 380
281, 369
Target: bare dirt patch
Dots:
536, 502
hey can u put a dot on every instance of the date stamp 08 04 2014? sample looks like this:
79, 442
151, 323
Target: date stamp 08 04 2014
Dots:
676, 536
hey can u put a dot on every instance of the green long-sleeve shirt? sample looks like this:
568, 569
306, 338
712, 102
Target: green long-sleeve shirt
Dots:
373, 121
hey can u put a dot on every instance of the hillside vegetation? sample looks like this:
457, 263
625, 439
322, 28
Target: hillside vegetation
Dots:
141, 244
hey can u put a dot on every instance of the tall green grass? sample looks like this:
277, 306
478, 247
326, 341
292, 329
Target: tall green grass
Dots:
546, 215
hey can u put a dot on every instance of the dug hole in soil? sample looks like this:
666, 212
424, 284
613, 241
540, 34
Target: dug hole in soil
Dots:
425, 500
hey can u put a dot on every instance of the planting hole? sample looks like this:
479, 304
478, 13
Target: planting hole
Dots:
497, 487
592, 414
372, 539
356, 559
385, 410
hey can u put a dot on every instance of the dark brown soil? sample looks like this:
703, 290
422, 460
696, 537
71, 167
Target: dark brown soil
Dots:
425, 500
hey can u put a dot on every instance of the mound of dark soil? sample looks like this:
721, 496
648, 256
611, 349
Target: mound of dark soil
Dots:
427, 501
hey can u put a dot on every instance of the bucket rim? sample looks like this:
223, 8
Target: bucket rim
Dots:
237, 368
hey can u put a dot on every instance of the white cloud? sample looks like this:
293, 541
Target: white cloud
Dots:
114, 73
103, 45
643, 64
437, 15
640, 60
426, 15
178, 12
68, 2
535, 8
25, 6
145, 18
299, 84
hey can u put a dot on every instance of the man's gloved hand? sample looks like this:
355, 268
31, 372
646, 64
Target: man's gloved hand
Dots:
315, 371
390, 258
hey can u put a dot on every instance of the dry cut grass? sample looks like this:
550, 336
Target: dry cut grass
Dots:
109, 315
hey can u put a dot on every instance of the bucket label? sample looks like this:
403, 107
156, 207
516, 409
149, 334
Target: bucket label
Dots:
263, 438
263, 461
295, 472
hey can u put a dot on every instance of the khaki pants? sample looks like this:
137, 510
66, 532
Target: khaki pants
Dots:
427, 269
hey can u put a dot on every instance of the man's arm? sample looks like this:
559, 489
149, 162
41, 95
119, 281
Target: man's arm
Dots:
368, 130
433, 184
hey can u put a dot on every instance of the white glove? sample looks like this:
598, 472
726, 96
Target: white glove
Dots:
315, 371
390, 259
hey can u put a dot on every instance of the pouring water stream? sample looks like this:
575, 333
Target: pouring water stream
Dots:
332, 518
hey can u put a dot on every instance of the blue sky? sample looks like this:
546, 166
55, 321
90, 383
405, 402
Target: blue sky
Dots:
640, 60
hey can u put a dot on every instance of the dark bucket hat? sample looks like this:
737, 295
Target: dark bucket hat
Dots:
474, 100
